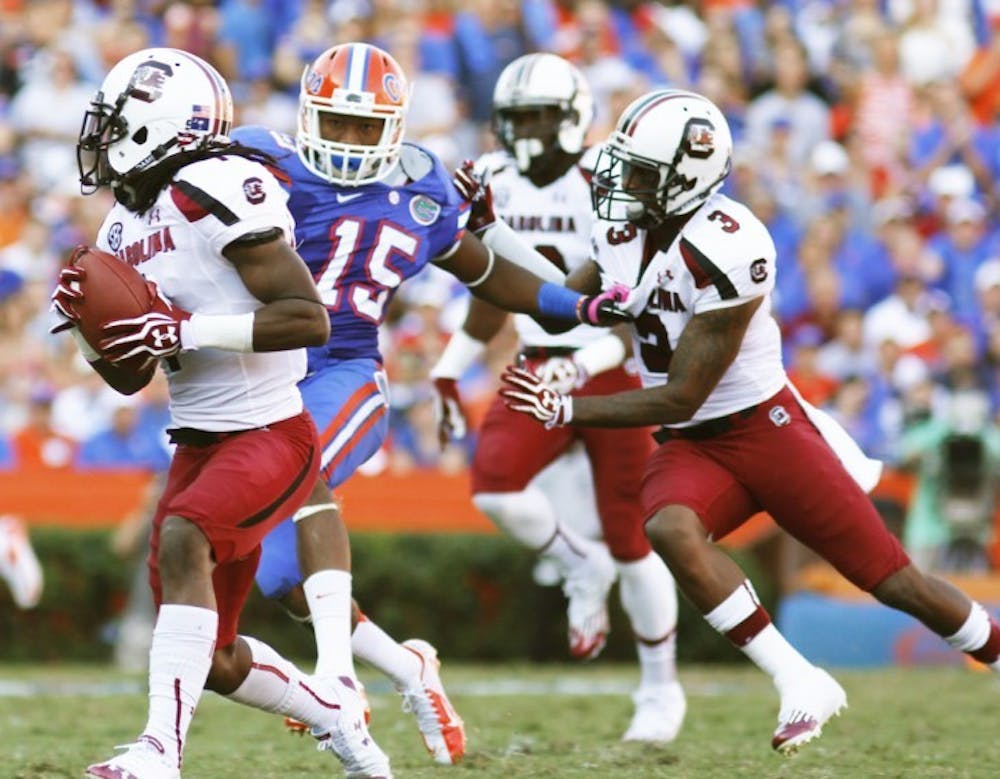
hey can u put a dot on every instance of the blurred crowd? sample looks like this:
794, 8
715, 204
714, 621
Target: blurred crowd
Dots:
867, 138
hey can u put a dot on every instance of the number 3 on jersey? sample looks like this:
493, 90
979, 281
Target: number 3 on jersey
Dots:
368, 298
653, 342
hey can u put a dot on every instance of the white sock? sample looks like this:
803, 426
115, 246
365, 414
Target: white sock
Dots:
771, 652
767, 648
276, 685
179, 662
974, 631
328, 593
658, 662
377, 648
649, 596
526, 516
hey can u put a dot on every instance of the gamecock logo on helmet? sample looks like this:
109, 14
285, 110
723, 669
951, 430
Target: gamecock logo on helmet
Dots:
699, 138
148, 80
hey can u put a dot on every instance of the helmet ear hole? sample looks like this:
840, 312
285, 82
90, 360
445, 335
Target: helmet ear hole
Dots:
140, 135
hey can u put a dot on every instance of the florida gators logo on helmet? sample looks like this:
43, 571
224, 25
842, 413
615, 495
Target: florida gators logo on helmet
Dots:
353, 79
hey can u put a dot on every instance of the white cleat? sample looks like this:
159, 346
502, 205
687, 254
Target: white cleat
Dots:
807, 703
349, 739
586, 586
440, 726
144, 759
659, 713
18, 564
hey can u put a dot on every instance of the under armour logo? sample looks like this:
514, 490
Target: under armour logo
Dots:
165, 336
779, 417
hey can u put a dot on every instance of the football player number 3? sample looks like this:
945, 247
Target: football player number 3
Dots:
654, 343
367, 298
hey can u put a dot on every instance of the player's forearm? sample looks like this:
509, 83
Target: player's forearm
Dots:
635, 408
123, 380
483, 320
290, 324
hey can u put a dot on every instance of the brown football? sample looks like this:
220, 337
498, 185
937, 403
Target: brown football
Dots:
111, 290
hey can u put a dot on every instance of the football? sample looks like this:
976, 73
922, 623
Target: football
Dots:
111, 290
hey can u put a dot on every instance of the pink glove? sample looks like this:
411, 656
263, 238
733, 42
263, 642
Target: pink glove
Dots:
154, 335
528, 394
602, 310
475, 190
448, 409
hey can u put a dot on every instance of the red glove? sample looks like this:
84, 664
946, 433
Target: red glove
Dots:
528, 394
154, 335
65, 295
602, 310
448, 410
475, 190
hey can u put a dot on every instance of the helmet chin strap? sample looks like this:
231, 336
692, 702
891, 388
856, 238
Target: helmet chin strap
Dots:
525, 150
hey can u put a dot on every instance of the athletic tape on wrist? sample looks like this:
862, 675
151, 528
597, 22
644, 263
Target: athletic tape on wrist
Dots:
460, 353
231, 332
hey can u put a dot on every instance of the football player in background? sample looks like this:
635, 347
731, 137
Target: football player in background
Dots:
205, 222
19, 565
735, 436
540, 186
370, 212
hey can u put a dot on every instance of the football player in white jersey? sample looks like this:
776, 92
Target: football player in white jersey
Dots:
736, 437
540, 186
205, 221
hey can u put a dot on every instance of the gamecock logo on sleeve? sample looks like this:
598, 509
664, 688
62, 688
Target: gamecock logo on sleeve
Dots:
253, 190
758, 271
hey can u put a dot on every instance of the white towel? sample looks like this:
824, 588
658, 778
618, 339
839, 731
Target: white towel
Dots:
863, 469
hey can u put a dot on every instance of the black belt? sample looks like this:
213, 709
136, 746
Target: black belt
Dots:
190, 436
704, 430
545, 352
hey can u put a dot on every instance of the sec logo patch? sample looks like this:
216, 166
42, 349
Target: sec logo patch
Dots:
424, 210
115, 236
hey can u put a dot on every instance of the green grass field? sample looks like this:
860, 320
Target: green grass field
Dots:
531, 721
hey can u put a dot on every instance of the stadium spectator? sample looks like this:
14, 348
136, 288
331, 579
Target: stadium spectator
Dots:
789, 107
19, 566
124, 444
36, 444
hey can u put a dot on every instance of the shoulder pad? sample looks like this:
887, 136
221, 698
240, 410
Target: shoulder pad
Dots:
588, 160
415, 162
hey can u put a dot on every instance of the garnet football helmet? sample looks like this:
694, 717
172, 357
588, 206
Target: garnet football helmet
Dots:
539, 81
151, 105
354, 79
669, 152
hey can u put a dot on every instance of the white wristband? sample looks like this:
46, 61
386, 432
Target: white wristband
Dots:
90, 354
601, 355
232, 332
509, 245
461, 352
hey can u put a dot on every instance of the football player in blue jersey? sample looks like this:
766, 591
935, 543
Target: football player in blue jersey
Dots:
370, 212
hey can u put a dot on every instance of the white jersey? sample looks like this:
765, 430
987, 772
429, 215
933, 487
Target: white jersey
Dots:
555, 219
724, 256
178, 244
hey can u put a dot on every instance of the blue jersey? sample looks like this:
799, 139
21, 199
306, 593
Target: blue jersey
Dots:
360, 243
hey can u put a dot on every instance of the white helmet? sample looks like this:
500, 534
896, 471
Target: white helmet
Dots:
353, 79
152, 104
679, 142
534, 81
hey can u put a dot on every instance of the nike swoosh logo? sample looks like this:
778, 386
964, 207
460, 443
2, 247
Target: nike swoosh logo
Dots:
346, 198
